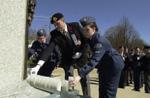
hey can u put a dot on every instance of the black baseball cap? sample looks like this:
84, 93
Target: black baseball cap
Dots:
56, 17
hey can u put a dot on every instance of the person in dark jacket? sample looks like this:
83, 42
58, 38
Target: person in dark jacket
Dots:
68, 37
145, 65
136, 69
122, 77
108, 60
38, 46
129, 67
35, 53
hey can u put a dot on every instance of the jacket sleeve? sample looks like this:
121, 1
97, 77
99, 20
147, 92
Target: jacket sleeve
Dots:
47, 52
34, 45
98, 52
53, 35
32, 50
79, 29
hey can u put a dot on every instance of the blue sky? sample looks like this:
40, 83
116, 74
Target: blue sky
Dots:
107, 13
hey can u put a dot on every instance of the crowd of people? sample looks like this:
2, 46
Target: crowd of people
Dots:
80, 45
137, 68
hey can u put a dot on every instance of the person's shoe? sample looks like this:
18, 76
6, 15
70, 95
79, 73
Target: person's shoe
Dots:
121, 87
136, 90
127, 84
147, 92
131, 82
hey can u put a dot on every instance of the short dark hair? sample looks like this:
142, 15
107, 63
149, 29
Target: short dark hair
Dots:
93, 25
121, 47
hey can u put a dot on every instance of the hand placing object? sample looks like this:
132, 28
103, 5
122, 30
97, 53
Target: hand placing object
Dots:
73, 82
35, 70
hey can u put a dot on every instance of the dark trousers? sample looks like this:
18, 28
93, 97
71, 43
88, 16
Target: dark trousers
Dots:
108, 84
68, 71
147, 81
122, 79
47, 69
137, 78
85, 84
128, 76
109, 76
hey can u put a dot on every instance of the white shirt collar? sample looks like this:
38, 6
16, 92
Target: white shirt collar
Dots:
66, 29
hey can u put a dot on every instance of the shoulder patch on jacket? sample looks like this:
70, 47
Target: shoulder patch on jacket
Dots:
98, 48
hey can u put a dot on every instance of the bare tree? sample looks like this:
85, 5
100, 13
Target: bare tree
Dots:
30, 11
124, 34
31, 35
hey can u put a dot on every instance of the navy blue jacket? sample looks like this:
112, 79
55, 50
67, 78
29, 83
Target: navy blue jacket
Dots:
145, 62
38, 48
101, 46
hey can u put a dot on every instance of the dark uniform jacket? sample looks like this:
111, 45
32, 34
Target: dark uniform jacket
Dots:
136, 60
102, 53
128, 61
145, 62
37, 48
66, 45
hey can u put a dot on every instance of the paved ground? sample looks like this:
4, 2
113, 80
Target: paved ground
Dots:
24, 90
122, 93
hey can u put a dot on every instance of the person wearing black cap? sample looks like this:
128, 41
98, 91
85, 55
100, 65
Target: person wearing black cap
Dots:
136, 69
35, 53
38, 45
69, 39
37, 48
107, 59
145, 65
